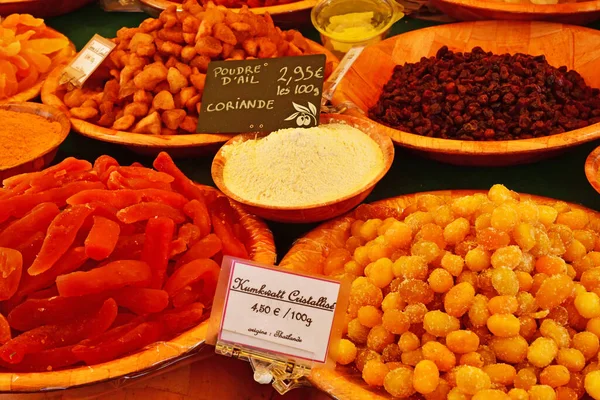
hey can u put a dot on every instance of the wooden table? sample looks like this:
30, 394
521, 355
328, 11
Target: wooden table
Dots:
209, 377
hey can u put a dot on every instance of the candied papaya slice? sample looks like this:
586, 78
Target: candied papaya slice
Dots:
115, 332
232, 246
141, 300
206, 247
102, 239
198, 212
71, 261
146, 211
189, 234
58, 335
205, 270
117, 181
145, 173
173, 199
59, 238
30, 248
102, 166
181, 183
156, 252
139, 337
181, 319
45, 361
114, 275
115, 198
37, 312
36, 220
188, 295
11, 266
68, 165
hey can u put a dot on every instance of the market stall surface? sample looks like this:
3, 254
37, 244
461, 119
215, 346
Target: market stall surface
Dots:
561, 177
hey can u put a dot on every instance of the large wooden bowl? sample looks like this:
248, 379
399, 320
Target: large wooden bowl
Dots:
573, 46
592, 169
309, 254
579, 13
41, 8
320, 212
41, 158
293, 13
155, 356
183, 145
59, 59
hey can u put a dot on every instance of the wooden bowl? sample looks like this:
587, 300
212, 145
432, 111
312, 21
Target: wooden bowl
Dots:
297, 12
42, 158
185, 145
60, 59
592, 169
579, 13
41, 8
309, 253
155, 356
573, 46
322, 211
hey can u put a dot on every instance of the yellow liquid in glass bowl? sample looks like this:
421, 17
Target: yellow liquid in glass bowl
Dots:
347, 23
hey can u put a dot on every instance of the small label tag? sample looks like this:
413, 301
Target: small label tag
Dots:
262, 95
87, 61
341, 71
277, 311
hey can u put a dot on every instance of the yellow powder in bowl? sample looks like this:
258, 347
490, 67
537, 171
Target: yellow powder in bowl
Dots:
24, 137
302, 167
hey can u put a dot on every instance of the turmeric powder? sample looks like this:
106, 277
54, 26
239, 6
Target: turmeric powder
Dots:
24, 137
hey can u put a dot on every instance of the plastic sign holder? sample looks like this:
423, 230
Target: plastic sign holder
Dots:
331, 84
283, 322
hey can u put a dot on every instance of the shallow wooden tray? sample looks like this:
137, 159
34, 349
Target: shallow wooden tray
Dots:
41, 8
262, 249
60, 59
576, 47
309, 253
297, 12
580, 13
177, 145
320, 212
41, 159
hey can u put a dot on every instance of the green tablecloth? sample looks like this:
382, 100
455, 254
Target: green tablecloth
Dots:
561, 177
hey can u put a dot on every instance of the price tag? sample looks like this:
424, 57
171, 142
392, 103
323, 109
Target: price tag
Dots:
87, 61
276, 311
262, 95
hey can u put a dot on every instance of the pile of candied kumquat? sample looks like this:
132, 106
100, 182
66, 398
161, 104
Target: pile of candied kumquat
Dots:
478, 297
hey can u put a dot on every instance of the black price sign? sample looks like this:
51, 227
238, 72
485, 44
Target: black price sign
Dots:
262, 95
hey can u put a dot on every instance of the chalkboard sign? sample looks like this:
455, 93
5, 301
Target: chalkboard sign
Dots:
262, 95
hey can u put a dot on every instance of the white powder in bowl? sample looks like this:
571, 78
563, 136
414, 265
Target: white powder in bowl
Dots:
301, 167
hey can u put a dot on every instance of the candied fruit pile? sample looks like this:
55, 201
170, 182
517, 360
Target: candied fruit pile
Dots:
99, 261
481, 297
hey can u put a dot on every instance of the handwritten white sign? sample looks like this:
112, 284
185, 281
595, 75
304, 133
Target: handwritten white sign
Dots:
279, 311
87, 61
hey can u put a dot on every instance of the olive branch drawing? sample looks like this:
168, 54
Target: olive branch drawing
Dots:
303, 114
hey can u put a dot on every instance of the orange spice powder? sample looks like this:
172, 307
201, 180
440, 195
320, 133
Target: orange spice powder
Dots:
24, 137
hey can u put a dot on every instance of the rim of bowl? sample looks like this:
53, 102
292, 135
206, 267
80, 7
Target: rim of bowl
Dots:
388, 159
